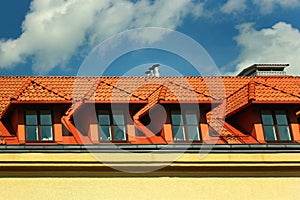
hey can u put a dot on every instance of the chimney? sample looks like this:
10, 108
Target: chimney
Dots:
156, 70
153, 71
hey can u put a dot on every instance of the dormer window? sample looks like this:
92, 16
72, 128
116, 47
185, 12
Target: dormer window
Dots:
185, 126
275, 125
111, 126
38, 125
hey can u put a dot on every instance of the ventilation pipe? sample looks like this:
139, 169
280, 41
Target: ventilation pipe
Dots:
153, 71
147, 73
156, 70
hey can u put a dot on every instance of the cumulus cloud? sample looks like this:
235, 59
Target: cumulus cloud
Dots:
55, 30
233, 6
278, 44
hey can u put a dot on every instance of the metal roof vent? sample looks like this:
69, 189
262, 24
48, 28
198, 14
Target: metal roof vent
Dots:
153, 71
264, 70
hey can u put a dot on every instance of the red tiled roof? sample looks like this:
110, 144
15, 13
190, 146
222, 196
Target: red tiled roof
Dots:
36, 91
8, 87
237, 91
110, 89
264, 90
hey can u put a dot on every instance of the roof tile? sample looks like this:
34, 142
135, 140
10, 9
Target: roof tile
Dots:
237, 90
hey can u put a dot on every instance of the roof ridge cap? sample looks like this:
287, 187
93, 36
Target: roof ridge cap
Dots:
93, 89
23, 88
251, 90
150, 103
280, 90
192, 90
237, 91
163, 91
155, 90
123, 90
53, 90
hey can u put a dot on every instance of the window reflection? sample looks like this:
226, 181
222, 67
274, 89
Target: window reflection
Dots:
38, 125
185, 126
111, 126
275, 125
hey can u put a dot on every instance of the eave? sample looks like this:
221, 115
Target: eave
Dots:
220, 161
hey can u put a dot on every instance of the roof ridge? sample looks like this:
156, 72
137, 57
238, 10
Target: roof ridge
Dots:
280, 90
150, 104
123, 90
31, 80
251, 90
23, 88
155, 90
163, 91
192, 90
237, 90
92, 90
53, 90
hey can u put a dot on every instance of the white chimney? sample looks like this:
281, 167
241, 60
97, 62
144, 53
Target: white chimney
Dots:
156, 70
153, 71
147, 73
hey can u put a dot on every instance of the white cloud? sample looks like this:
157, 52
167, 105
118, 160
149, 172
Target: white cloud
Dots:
279, 44
267, 6
54, 30
234, 6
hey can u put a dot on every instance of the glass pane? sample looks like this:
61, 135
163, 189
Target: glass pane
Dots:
178, 133
284, 133
267, 118
32, 133
105, 134
118, 119
45, 117
270, 133
281, 118
176, 119
119, 133
193, 132
31, 117
46, 133
191, 119
104, 119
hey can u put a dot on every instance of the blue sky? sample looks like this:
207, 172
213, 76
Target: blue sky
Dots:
53, 37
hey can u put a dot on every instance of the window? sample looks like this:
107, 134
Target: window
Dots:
111, 126
185, 126
275, 125
38, 125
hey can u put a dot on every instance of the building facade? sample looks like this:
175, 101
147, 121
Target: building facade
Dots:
182, 135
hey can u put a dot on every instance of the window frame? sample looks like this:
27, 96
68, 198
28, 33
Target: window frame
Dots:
185, 125
112, 126
39, 125
275, 125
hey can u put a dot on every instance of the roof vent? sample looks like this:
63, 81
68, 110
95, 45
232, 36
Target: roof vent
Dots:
264, 70
153, 71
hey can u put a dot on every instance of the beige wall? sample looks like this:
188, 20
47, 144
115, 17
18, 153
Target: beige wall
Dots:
81, 176
150, 188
